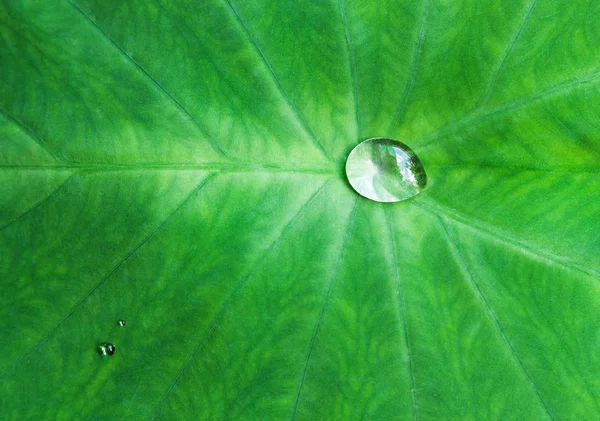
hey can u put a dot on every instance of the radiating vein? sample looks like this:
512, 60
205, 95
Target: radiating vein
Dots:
413, 70
402, 306
428, 140
109, 274
33, 135
323, 308
460, 259
525, 247
570, 133
214, 143
299, 117
39, 203
511, 45
352, 67
255, 266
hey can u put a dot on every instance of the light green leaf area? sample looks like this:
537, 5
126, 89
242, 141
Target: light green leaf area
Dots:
179, 165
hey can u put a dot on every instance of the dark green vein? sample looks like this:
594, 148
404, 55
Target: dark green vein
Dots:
319, 321
402, 308
495, 233
33, 135
461, 261
413, 71
352, 67
214, 143
511, 45
469, 120
299, 117
570, 133
39, 203
255, 266
185, 24
108, 275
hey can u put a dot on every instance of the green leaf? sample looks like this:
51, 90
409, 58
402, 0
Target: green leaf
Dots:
180, 165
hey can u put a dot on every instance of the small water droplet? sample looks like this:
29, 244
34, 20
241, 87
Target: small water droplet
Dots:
122, 322
385, 170
107, 349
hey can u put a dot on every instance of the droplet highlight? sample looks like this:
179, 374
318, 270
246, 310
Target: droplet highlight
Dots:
385, 170
122, 322
107, 349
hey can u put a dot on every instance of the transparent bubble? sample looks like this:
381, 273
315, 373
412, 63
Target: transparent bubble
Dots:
385, 170
107, 349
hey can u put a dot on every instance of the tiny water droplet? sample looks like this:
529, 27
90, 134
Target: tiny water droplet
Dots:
107, 349
385, 170
122, 322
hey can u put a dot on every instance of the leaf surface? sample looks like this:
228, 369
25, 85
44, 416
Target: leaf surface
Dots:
180, 165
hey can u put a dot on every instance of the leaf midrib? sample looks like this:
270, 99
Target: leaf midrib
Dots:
218, 167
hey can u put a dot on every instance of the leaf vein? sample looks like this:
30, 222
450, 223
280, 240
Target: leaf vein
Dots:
323, 309
149, 166
402, 306
107, 276
517, 168
214, 143
460, 259
33, 135
39, 203
511, 45
472, 119
532, 249
413, 70
569, 132
255, 266
291, 104
352, 66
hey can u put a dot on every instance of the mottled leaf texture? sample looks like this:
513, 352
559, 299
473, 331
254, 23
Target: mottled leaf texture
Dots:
180, 165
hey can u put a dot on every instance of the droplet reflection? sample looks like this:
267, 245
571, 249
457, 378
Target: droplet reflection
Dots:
385, 170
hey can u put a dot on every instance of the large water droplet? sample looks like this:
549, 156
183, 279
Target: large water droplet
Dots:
385, 170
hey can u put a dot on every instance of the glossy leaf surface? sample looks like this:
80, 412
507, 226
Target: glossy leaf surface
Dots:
179, 165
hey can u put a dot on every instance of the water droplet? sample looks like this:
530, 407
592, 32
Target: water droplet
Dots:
122, 322
107, 349
385, 170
